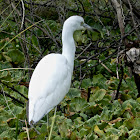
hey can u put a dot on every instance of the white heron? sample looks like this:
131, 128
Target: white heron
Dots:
51, 79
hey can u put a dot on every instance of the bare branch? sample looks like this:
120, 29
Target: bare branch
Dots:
13, 98
23, 14
119, 15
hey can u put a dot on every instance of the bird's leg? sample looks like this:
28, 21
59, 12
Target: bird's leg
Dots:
47, 123
52, 123
36, 130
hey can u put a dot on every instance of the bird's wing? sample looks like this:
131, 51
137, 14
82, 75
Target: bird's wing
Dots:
50, 71
49, 84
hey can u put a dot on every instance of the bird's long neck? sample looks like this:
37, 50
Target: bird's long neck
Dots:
69, 48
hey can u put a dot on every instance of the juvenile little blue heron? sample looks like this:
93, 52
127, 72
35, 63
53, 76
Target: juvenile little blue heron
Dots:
51, 79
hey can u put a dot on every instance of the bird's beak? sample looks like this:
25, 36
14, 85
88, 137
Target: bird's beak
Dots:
86, 26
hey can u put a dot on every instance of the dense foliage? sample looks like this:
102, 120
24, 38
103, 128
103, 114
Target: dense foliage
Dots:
91, 110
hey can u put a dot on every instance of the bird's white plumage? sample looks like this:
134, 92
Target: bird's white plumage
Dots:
51, 78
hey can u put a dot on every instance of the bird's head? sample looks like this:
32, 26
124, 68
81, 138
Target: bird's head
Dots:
76, 23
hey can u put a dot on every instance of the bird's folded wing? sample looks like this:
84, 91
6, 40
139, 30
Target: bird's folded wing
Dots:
50, 72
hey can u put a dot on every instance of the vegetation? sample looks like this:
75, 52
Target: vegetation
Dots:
104, 100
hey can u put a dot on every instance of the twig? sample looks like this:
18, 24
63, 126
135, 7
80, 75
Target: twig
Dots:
131, 11
9, 15
19, 34
24, 41
5, 9
136, 9
27, 130
119, 15
14, 90
7, 102
82, 7
67, 8
52, 123
16, 69
23, 14
16, 100
93, 56
137, 81
50, 35
119, 85
117, 69
48, 32
105, 66
99, 18
83, 51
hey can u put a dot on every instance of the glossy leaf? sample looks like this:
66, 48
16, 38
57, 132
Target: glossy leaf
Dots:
16, 56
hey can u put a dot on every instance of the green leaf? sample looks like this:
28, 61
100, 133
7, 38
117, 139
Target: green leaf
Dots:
5, 135
83, 132
138, 100
99, 80
130, 104
78, 122
22, 135
98, 131
134, 134
95, 36
93, 109
8, 134
86, 83
125, 96
43, 128
16, 56
34, 40
133, 137
98, 95
12, 122
4, 65
132, 123
93, 120
128, 28
116, 108
112, 133
84, 116
5, 75
78, 36
78, 104
92, 137
137, 123
112, 137
73, 92
106, 114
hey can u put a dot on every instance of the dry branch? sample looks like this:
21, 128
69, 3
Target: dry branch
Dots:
120, 16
